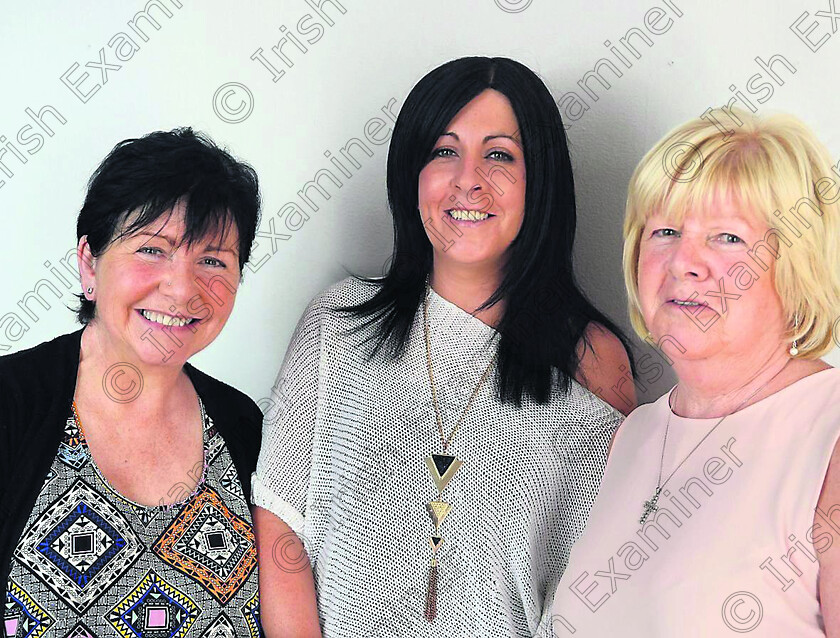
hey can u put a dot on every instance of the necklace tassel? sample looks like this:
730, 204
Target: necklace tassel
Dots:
431, 593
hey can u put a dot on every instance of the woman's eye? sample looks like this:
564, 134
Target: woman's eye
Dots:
212, 261
443, 152
150, 250
729, 238
500, 156
664, 232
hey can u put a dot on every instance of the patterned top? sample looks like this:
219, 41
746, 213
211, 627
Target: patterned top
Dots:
343, 463
91, 563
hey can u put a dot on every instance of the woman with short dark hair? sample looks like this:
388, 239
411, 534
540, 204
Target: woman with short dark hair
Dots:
436, 436
125, 471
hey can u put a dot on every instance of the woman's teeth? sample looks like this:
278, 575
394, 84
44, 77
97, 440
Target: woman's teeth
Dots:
165, 320
468, 215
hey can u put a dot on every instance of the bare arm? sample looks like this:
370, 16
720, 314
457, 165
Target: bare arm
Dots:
829, 575
605, 369
288, 608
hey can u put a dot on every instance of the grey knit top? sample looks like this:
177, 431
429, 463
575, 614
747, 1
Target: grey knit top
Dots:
343, 464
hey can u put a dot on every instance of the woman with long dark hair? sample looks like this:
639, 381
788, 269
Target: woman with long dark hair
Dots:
437, 435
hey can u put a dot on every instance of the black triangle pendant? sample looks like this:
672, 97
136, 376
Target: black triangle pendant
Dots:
442, 467
442, 462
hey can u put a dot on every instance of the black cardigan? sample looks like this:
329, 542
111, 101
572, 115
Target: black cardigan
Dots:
36, 396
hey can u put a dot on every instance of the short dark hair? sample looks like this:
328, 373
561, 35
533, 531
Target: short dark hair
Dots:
546, 313
146, 177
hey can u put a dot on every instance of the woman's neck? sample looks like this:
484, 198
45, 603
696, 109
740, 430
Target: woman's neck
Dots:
113, 384
706, 392
469, 286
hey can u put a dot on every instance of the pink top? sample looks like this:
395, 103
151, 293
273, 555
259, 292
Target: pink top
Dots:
733, 547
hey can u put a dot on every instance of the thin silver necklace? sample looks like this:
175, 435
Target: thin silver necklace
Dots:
650, 506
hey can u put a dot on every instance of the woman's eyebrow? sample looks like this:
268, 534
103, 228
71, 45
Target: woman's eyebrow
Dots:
146, 233
486, 139
218, 249
512, 138
490, 137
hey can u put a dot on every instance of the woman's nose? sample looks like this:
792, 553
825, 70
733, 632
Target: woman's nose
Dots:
179, 280
688, 261
465, 176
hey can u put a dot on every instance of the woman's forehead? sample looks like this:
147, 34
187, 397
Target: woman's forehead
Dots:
717, 206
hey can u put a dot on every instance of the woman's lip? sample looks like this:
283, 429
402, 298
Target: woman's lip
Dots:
692, 309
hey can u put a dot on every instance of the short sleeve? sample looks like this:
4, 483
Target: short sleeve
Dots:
281, 481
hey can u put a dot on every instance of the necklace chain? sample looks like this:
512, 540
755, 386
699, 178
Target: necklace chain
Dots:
651, 505
442, 467
444, 440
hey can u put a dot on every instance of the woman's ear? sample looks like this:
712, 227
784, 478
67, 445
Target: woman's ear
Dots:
87, 263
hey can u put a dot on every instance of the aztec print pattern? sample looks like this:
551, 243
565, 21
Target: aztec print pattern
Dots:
91, 563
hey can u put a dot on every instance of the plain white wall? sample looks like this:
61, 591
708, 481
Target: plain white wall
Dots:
283, 116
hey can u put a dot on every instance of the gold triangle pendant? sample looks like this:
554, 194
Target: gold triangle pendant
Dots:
442, 467
438, 511
435, 542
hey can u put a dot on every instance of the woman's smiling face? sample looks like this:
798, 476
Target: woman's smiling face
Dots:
471, 193
699, 284
158, 299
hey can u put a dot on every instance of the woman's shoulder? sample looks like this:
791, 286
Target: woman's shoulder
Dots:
36, 389
44, 369
814, 398
350, 291
46, 352
604, 368
647, 415
642, 423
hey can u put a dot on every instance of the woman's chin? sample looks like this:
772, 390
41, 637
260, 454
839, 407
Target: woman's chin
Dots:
158, 349
467, 256
686, 342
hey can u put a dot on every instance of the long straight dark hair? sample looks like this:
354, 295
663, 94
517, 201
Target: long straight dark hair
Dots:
546, 314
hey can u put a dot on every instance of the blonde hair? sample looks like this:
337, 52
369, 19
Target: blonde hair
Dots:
773, 166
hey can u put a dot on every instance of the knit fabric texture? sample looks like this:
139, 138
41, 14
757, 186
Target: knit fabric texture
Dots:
343, 464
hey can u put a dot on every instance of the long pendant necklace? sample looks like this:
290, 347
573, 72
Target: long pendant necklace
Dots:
442, 467
651, 505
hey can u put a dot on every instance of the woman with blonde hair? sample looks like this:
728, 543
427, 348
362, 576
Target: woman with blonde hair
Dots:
715, 514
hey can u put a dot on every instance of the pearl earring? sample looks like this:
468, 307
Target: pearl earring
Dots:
793, 349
